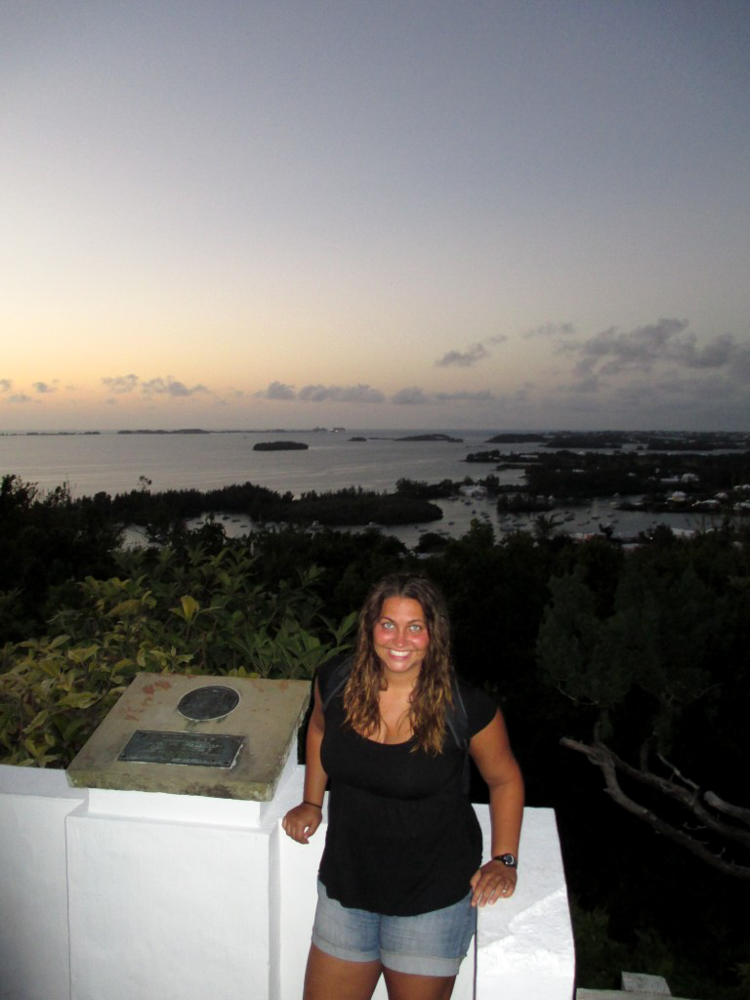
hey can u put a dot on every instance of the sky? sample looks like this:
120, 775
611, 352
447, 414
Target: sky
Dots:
502, 214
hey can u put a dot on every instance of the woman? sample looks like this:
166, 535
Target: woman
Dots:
400, 875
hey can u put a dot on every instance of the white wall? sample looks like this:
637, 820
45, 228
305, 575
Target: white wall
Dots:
138, 896
34, 953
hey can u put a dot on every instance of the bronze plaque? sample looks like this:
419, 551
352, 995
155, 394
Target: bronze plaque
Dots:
187, 749
212, 701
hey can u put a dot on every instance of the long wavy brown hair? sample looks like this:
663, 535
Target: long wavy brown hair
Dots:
433, 693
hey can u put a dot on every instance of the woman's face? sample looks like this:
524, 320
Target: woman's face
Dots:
400, 635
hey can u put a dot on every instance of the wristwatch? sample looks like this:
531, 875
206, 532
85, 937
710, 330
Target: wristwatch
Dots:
509, 860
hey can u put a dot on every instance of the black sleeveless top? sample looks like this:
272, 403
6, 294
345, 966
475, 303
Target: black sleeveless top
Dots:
402, 836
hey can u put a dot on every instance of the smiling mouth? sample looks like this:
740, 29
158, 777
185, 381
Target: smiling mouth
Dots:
400, 654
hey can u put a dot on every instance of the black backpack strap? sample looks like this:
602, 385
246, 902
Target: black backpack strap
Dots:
457, 721
457, 718
332, 678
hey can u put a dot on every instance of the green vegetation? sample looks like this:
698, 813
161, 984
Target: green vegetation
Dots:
633, 661
651, 478
653, 664
170, 611
655, 474
355, 506
163, 514
47, 542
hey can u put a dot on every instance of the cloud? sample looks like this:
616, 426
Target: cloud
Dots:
483, 396
611, 352
170, 387
5, 385
20, 397
550, 330
121, 383
323, 393
411, 396
463, 359
649, 349
472, 355
278, 390
739, 364
721, 352
587, 383
44, 388
660, 374
709, 398
414, 396
341, 394
716, 354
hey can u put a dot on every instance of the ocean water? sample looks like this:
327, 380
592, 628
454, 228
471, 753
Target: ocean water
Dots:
114, 463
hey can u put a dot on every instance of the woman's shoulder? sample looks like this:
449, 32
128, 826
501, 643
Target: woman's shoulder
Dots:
332, 676
479, 707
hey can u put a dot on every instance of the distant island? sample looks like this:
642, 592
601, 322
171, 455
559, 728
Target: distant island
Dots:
430, 437
516, 439
280, 446
200, 430
52, 434
182, 430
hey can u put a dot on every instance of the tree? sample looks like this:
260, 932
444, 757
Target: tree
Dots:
46, 541
651, 674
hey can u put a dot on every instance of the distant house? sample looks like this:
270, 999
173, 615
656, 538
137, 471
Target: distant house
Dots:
707, 505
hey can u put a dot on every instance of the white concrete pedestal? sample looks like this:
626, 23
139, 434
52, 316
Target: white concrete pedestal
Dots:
110, 895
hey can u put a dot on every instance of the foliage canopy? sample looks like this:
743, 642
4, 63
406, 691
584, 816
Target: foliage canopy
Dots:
638, 659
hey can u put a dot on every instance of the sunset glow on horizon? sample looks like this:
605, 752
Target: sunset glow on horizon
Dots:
512, 214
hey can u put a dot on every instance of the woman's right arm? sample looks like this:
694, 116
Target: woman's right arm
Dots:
301, 822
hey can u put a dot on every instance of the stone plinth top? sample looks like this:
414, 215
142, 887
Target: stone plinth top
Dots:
642, 982
221, 737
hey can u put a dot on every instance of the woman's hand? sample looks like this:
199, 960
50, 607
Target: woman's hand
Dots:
491, 882
301, 822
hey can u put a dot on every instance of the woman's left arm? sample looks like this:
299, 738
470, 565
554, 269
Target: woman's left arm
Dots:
490, 750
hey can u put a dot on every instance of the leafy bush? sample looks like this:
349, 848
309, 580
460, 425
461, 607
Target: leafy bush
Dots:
192, 612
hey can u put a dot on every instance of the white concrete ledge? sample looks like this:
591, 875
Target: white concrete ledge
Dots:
525, 944
136, 894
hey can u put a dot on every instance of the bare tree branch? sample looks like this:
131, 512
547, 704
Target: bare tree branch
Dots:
609, 763
670, 766
726, 807
688, 798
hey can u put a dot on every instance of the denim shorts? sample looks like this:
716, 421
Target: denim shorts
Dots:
431, 944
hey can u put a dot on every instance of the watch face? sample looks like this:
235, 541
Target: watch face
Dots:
508, 859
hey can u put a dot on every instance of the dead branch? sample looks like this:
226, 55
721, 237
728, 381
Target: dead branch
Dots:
743, 815
609, 764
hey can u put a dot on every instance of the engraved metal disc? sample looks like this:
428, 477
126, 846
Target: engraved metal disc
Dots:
213, 701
